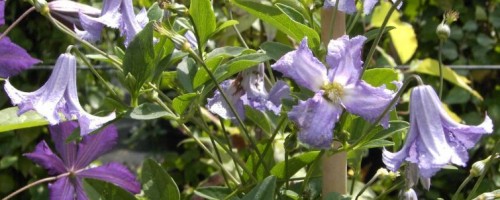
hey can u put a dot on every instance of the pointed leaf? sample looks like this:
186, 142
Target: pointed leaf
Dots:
148, 111
203, 18
10, 121
264, 190
96, 189
294, 164
182, 102
156, 183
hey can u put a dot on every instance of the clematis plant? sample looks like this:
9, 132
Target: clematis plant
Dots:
248, 89
13, 58
57, 96
336, 88
434, 139
71, 164
114, 14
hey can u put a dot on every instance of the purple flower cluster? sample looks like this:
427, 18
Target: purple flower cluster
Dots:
336, 88
434, 139
114, 14
248, 89
74, 158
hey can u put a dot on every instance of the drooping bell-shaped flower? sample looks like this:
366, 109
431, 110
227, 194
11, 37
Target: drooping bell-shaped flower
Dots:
434, 139
248, 89
409, 194
58, 96
115, 14
336, 87
349, 6
73, 160
13, 58
69, 11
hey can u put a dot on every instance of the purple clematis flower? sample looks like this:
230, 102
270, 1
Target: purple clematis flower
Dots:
13, 58
336, 88
74, 158
115, 14
349, 6
2, 12
69, 11
434, 139
58, 95
248, 89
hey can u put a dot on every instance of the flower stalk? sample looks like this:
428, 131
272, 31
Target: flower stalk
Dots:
48, 179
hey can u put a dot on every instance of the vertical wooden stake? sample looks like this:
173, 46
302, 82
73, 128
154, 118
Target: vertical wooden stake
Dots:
335, 166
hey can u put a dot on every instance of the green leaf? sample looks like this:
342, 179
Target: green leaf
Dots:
294, 164
213, 192
403, 36
182, 102
202, 74
226, 52
155, 13
225, 25
7, 161
394, 127
375, 144
291, 13
431, 67
186, 71
372, 34
148, 111
139, 59
275, 50
261, 119
156, 183
381, 76
10, 121
264, 190
239, 64
97, 189
281, 21
203, 17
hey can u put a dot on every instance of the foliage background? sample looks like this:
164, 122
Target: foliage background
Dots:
474, 42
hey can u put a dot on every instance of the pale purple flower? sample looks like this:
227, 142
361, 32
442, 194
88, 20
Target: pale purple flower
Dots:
409, 194
74, 158
349, 6
13, 58
336, 87
58, 96
69, 11
248, 89
434, 139
115, 14
2, 12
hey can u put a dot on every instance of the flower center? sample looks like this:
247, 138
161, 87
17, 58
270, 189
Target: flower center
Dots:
333, 92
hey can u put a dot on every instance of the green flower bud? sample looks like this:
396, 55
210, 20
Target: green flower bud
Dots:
41, 6
478, 167
443, 31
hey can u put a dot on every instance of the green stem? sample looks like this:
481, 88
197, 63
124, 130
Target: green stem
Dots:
372, 180
271, 140
94, 71
368, 136
486, 167
235, 28
379, 36
224, 132
440, 69
52, 178
464, 183
231, 107
311, 170
394, 187
353, 22
19, 19
116, 63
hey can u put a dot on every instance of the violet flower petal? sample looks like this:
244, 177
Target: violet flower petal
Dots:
47, 100
114, 173
110, 14
375, 100
129, 26
13, 58
279, 91
66, 150
62, 189
92, 28
316, 118
368, 5
344, 58
44, 156
80, 191
305, 69
347, 6
93, 146
218, 105
2, 12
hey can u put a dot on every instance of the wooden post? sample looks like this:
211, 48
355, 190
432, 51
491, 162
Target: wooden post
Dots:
334, 166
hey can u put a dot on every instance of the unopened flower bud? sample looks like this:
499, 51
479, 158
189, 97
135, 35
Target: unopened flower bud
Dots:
41, 6
443, 31
478, 167
408, 195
